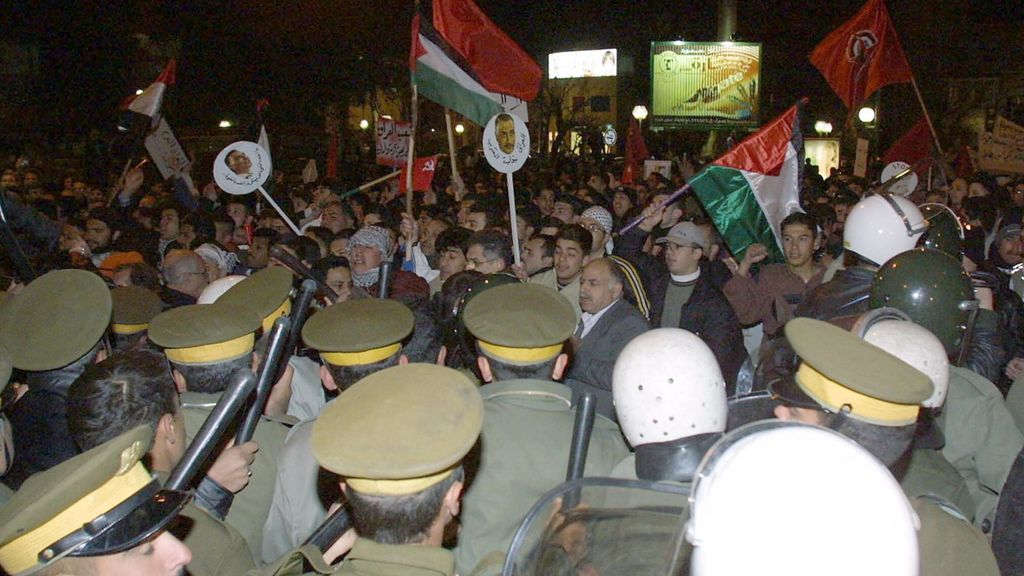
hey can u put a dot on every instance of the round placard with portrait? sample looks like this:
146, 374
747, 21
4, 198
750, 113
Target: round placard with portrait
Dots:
506, 142
242, 167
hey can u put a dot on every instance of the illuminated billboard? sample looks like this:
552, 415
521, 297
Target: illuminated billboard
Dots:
705, 85
583, 64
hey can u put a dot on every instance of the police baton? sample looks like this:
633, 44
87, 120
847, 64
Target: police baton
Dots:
384, 277
330, 529
295, 265
581, 429
242, 383
300, 310
267, 379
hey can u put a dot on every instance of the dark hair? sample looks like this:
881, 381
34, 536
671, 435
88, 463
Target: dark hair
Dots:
494, 244
501, 371
490, 212
550, 222
143, 275
579, 235
346, 376
457, 238
530, 214
570, 200
323, 234
404, 519
329, 262
802, 219
549, 244
305, 248
212, 378
270, 234
128, 389
202, 225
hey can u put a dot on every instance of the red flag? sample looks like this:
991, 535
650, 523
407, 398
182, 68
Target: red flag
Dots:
912, 147
422, 174
862, 55
498, 62
636, 152
149, 101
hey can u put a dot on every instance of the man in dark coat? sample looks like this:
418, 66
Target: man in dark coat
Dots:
681, 295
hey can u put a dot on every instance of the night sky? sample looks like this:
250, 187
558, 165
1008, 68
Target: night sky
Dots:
303, 53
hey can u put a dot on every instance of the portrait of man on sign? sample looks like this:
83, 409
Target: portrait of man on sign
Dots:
505, 132
242, 167
238, 162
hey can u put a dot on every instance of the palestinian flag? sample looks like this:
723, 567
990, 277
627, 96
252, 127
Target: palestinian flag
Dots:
753, 187
441, 75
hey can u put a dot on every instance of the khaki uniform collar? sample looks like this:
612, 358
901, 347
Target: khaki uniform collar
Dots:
403, 559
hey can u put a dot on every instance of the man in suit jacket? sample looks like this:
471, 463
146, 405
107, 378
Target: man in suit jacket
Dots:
608, 324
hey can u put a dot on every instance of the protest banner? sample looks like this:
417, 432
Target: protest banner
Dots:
392, 142
166, 151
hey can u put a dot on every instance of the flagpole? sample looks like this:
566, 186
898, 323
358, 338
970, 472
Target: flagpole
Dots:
513, 220
451, 151
927, 117
408, 170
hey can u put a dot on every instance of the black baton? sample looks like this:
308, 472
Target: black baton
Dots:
581, 429
266, 381
243, 382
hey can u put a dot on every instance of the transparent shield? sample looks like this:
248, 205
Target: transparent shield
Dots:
604, 526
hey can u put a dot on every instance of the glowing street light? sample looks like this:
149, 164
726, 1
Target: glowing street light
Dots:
364, 124
225, 124
459, 128
138, 92
640, 113
866, 115
823, 128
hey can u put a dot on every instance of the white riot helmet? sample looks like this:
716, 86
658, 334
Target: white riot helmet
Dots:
217, 288
882, 226
892, 331
803, 501
667, 385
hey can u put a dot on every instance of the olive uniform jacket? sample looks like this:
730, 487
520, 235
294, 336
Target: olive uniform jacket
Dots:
524, 452
982, 439
217, 548
251, 505
370, 559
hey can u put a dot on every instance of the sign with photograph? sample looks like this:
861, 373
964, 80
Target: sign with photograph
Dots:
242, 167
506, 143
705, 85
663, 167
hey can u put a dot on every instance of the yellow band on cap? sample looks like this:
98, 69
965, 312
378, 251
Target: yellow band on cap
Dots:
397, 487
212, 352
283, 310
128, 328
22, 553
360, 358
835, 396
521, 354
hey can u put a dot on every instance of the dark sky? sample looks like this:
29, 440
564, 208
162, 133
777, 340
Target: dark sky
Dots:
302, 53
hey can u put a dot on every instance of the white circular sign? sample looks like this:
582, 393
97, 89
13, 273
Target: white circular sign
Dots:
610, 137
906, 186
242, 167
506, 142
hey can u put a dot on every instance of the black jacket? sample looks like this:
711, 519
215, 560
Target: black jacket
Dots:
707, 313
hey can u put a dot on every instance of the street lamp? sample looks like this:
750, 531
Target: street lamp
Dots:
364, 124
640, 113
225, 124
823, 128
866, 115
459, 128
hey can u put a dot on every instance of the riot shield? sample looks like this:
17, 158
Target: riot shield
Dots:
619, 527
749, 408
